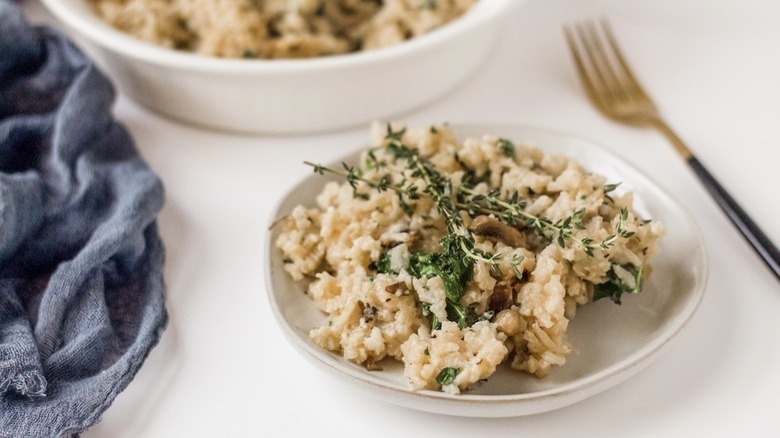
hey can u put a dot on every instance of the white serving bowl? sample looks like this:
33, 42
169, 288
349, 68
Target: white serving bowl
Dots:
289, 96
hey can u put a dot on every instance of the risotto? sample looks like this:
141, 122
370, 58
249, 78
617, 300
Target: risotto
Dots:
278, 28
455, 257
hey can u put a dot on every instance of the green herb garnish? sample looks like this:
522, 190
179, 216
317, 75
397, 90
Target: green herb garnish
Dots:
446, 376
516, 260
620, 232
609, 188
614, 287
426, 311
454, 267
383, 264
427, 4
506, 146
394, 135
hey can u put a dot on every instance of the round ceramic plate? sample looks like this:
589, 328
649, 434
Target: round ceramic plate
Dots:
612, 342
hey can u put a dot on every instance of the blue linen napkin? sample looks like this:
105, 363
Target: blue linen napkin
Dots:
81, 284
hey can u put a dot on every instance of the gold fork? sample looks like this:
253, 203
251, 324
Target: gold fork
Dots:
615, 91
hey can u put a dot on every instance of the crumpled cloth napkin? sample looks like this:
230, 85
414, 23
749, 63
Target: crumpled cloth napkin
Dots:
81, 283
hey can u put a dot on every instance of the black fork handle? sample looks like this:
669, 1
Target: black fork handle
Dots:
752, 233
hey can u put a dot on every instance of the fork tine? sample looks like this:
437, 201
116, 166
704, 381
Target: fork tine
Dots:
604, 63
629, 79
591, 89
599, 66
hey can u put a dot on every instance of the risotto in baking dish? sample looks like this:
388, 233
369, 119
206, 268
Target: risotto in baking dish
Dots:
278, 28
456, 256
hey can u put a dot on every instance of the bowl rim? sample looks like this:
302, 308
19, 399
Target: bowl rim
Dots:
86, 23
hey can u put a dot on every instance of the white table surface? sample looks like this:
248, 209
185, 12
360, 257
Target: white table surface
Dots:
223, 367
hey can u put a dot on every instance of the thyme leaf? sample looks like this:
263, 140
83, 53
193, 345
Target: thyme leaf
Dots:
394, 135
516, 260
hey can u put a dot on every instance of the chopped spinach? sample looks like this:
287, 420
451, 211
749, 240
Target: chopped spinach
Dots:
614, 287
383, 264
446, 376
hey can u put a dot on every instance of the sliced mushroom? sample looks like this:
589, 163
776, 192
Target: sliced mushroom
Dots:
493, 228
393, 288
501, 298
409, 237
368, 311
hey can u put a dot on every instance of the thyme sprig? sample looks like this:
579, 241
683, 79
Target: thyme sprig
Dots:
354, 175
620, 231
439, 188
512, 212
454, 263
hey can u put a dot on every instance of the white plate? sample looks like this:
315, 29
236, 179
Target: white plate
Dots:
613, 342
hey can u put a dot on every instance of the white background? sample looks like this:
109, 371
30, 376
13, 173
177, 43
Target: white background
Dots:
223, 367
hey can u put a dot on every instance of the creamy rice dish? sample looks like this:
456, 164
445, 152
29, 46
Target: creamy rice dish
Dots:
454, 257
278, 28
